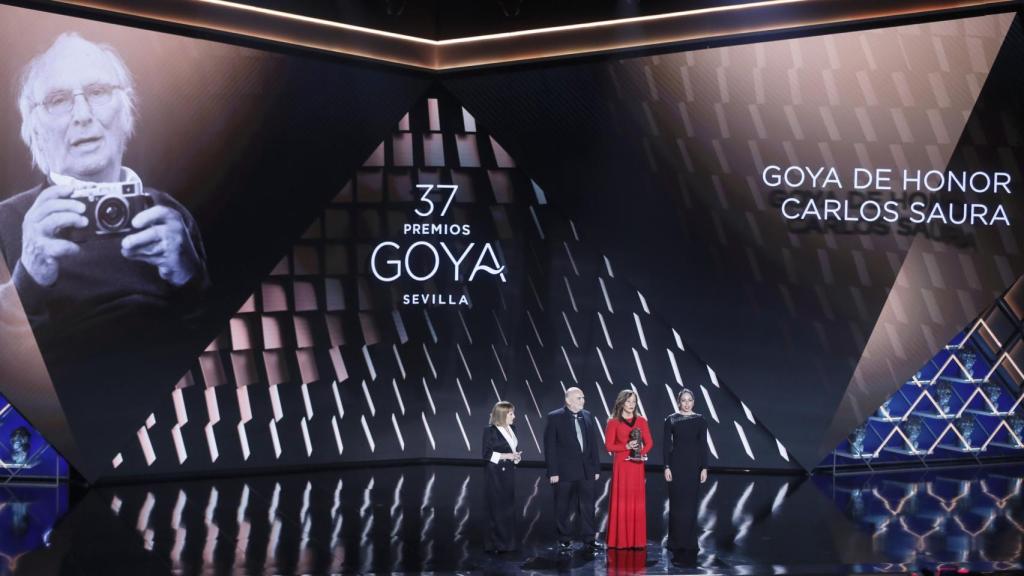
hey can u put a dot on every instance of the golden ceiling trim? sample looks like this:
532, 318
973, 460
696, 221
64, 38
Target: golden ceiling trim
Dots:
704, 24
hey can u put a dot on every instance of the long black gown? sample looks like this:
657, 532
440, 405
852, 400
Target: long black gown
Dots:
500, 493
686, 454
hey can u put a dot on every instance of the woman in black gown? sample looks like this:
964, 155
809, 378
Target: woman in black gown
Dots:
500, 451
686, 451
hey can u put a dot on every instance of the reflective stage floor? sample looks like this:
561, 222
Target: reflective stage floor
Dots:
430, 519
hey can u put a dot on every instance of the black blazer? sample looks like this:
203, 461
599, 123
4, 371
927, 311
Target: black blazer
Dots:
562, 449
494, 441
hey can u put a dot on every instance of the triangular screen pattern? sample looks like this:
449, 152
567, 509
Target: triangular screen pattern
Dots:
965, 404
325, 363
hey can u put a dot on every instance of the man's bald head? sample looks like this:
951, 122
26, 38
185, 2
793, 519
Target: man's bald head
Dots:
574, 399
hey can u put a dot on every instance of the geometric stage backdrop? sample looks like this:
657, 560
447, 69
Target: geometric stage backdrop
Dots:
964, 404
319, 365
616, 232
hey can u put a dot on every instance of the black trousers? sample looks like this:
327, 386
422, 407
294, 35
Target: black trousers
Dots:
501, 507
576, 496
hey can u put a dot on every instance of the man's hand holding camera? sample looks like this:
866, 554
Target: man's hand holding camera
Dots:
159, 238
163, 242
42, 247
90, 247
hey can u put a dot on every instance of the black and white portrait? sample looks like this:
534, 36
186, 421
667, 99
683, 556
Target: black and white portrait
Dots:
149, 183
91, 244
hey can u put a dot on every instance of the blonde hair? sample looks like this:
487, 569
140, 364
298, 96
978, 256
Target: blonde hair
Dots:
499, 414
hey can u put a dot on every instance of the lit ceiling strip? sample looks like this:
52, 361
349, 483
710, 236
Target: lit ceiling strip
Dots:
318, 21
523, 45
505, 35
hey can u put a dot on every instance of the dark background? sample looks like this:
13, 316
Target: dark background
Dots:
641, 251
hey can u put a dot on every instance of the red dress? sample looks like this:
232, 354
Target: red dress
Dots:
627, 514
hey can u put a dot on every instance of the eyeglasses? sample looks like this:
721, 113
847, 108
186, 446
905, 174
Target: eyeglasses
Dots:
61, 102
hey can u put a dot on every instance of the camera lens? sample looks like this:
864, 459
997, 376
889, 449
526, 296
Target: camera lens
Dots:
112, 214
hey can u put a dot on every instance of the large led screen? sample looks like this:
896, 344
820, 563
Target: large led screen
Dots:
222, 258
149, 181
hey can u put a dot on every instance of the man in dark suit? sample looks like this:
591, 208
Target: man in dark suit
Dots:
572, 457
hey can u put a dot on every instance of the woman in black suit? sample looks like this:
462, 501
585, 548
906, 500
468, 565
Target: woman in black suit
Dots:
686, 457
500, 451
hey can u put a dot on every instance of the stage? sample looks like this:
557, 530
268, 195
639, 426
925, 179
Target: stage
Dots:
288, 274
430, 519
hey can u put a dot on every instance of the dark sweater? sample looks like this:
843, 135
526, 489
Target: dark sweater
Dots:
98, 285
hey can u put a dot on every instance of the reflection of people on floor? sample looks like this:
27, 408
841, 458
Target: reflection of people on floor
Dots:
20, 533
19, 518
684, 558
686, 458
627, 508
573, 462
500, 451
624, 561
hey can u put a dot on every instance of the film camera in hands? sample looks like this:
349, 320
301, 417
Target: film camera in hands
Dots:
110, 208
635, 453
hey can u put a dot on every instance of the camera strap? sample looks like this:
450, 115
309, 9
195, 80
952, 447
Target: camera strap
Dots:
129, 177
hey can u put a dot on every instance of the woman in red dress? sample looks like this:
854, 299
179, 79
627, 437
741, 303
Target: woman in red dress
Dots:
627, 515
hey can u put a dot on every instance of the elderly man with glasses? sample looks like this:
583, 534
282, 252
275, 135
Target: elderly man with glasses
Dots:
90, 244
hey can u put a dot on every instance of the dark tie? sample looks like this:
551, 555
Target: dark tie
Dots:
580, 425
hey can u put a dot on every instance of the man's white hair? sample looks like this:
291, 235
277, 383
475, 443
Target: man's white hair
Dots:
36, 69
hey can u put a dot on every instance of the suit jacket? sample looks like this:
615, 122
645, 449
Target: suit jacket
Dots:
494, 441
562, 452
